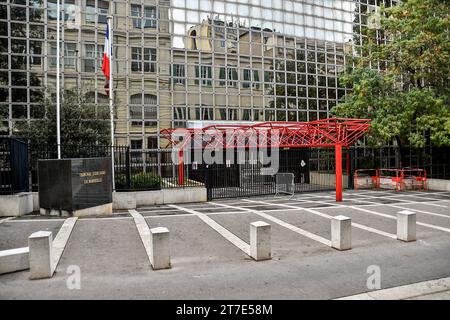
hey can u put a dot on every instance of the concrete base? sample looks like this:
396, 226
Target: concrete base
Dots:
104, 209
132, 200
14, 260
15, 205
438, 184
327, 179
35, 201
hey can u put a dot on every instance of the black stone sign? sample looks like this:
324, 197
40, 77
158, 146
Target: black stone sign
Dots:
74, 184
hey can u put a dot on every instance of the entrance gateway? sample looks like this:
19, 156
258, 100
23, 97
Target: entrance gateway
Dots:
302, 147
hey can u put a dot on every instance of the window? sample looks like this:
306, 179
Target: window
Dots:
178, 73
205, 75
101, 12
69, 7
147, 20
143, 59
256, 79
233, 114
246, 114
222, 76
70, 54
101, 98
247, 73
179, 113
136, 144
152, 143
146, 111
246, 83
232, 76
91, 57
35, 52
229, 73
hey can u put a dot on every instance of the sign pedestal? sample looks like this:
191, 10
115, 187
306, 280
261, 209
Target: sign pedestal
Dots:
75, 187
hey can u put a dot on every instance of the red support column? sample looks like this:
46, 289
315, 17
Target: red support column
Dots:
180, 168
338, 159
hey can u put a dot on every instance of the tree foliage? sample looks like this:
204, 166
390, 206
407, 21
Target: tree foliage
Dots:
81, 123
408, 99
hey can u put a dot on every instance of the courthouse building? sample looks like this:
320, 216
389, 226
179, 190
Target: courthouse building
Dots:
178, 61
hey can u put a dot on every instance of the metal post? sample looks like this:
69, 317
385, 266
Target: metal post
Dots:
111, 96
58, 120
338, 159
180, 168
128, 168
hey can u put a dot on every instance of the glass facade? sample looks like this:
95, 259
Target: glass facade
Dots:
177, 61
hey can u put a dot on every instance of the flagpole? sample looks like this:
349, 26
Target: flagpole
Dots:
58, 120
111, 96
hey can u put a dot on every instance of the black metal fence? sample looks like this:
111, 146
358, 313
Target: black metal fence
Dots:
435, 160
313, 168
245, 174
134, 169
13, 166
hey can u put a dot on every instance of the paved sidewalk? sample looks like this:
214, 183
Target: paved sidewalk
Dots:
438, 289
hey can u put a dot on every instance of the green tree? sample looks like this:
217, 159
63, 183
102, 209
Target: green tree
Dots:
81, 123
408, 99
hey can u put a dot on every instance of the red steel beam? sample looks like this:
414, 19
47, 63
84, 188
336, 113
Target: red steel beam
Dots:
320, 133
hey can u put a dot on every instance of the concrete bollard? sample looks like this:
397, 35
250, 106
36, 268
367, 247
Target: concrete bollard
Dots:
260, 241
341, 233
406, 226
40, 246
14, 260
160, 248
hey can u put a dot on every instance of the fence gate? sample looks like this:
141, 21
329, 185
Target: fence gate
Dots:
310, 168
13, 166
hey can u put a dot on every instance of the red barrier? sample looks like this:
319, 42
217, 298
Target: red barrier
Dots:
392, 179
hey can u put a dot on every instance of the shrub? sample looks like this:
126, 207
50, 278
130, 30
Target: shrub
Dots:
145, 181
139, 181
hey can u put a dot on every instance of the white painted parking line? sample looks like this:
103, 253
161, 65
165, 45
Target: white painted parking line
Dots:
404, 208
367, 199
36, 220
144, 232
6, 219
422, 211
238, 242
407, 201
404, 292
105, 218
60, 241
393, 193
373, 203
356, 225
228, 212
289, 226
335, 205
432, 226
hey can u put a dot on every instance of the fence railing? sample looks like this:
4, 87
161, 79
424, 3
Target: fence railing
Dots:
134, 169
13, 166
154, 169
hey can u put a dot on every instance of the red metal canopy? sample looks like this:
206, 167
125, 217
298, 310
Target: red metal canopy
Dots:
332, 132
321, 133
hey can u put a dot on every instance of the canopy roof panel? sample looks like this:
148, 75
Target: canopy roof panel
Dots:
320, 133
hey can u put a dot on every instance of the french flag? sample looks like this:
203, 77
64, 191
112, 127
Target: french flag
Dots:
107, 55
